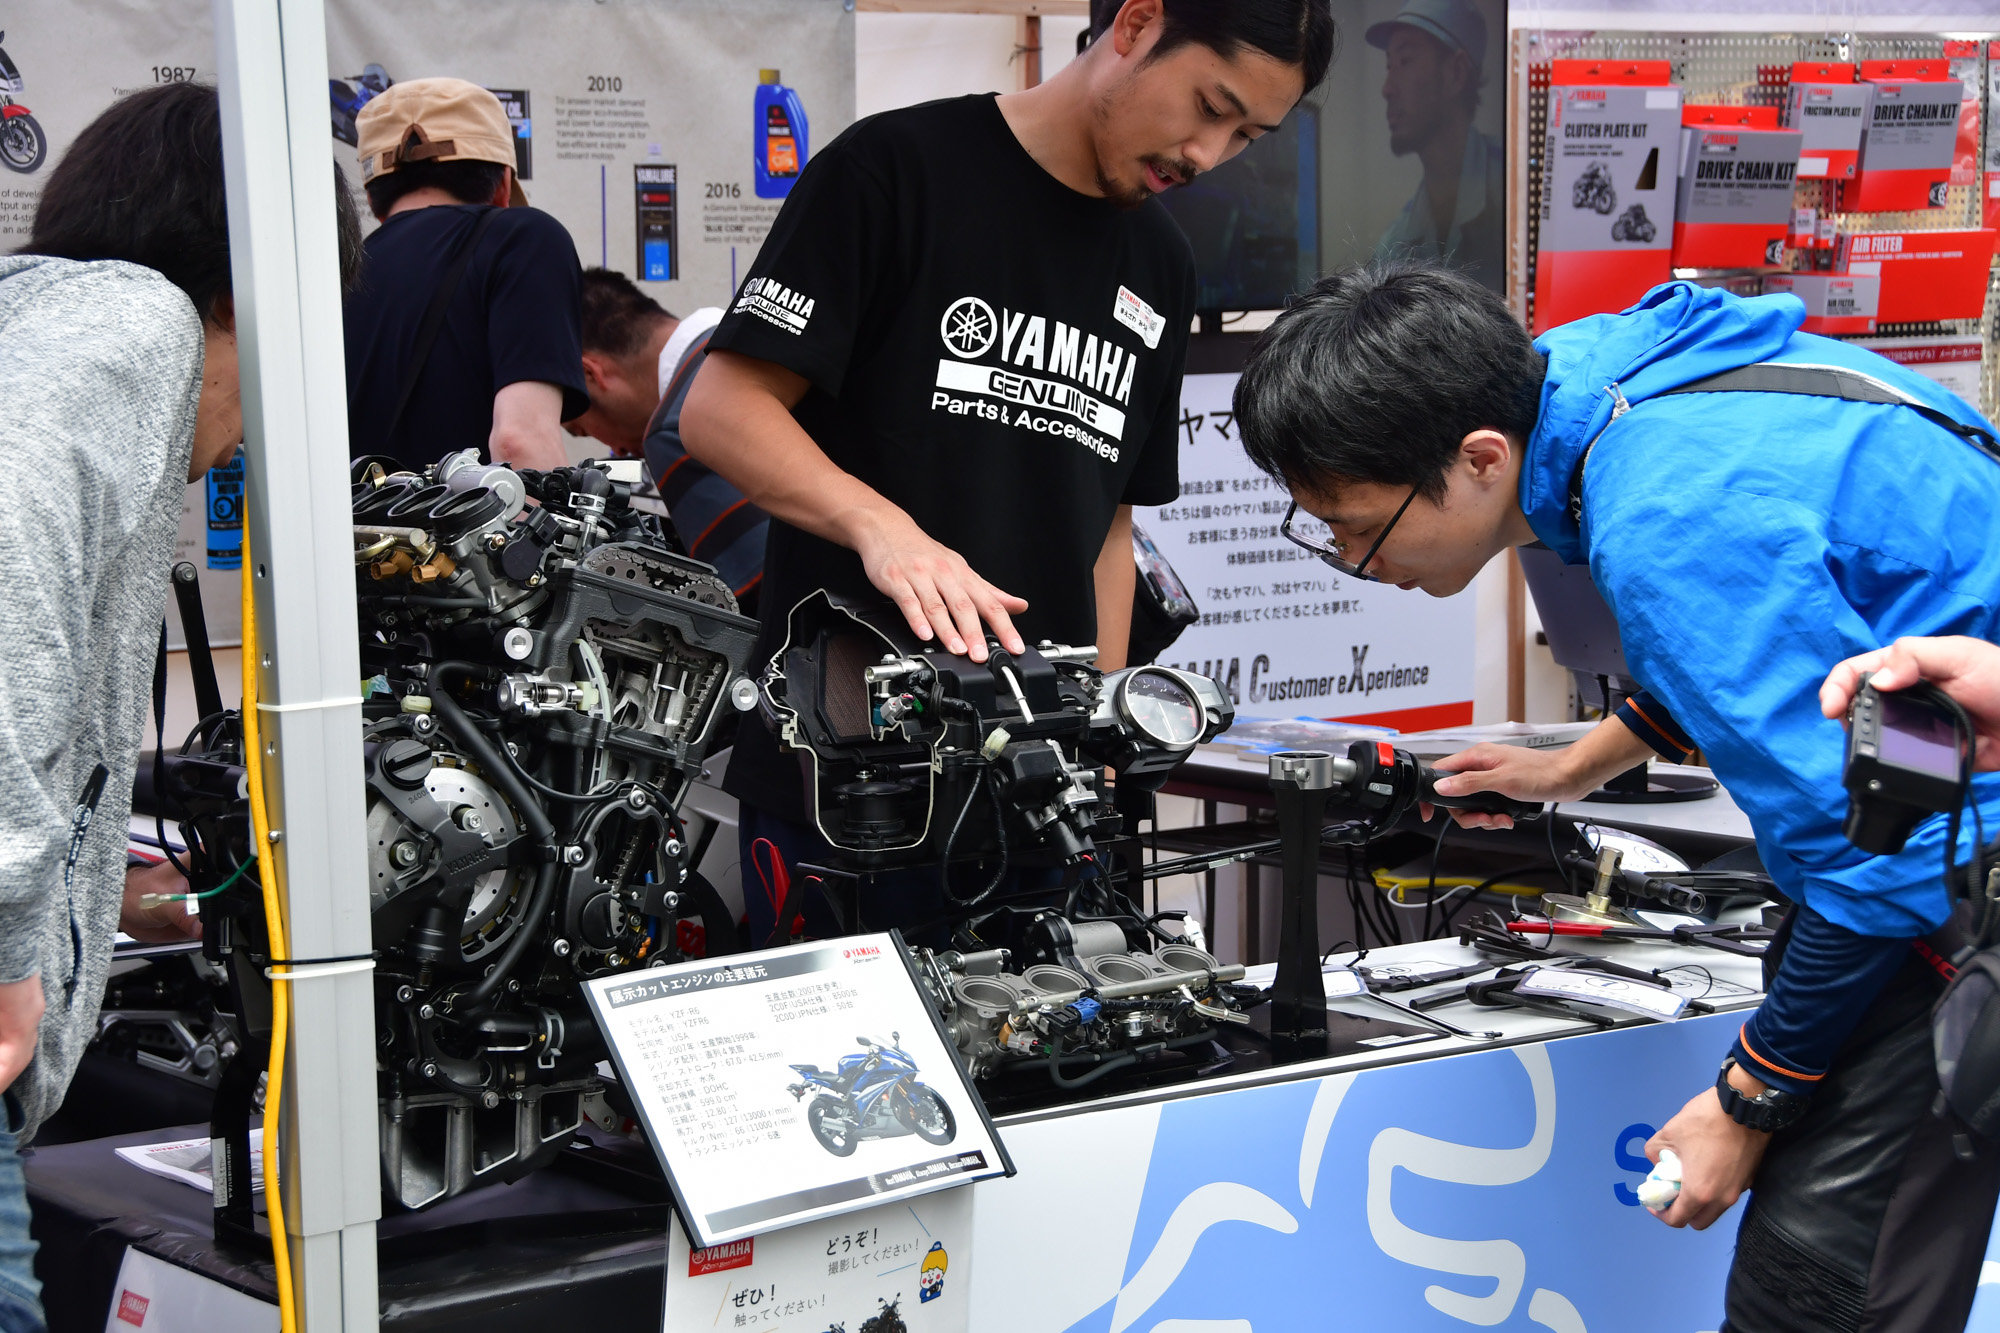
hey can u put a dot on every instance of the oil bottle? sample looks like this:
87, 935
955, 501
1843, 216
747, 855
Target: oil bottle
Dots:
778, 138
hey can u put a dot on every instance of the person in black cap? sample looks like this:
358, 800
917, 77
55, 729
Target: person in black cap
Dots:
1458, 216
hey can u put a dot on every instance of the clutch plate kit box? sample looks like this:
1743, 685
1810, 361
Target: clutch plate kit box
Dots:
1613, 158
1734, 206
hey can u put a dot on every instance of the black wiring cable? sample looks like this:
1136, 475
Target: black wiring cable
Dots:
554, 794
979, 782
1706, 976
1562, 871
1354, 903
1431, 889
198, 732
1385, 916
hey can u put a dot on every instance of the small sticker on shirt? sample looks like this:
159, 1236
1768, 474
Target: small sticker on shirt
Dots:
1139, 317
776, 303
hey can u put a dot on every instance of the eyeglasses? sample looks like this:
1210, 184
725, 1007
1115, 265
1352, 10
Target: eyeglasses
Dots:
1335, 553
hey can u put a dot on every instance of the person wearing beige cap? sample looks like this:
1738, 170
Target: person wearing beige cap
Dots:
465, 331
1436, 50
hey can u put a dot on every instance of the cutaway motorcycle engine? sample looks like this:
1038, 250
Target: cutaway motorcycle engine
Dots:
544, 673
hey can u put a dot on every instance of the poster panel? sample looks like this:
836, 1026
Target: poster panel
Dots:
1284, 634
1953, 360
635, 123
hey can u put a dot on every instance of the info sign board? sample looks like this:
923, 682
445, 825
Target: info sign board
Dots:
1283, 634
903, 1266
784, 1087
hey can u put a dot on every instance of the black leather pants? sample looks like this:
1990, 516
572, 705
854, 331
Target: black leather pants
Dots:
1863, 1217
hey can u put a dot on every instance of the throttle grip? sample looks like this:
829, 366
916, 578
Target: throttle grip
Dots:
1479, 802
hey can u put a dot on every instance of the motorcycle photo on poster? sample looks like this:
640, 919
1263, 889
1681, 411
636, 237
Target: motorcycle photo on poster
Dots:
23, 146
872, 1094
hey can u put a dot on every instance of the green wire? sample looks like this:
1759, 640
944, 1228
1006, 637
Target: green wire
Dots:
227, 883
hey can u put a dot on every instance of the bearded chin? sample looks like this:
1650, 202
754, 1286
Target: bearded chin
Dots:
1123, 196
1404, 142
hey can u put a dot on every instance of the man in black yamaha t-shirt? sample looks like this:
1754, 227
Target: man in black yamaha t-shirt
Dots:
956, 364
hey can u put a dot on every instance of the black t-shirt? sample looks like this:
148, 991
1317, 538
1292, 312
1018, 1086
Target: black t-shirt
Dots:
517, 315
992, 351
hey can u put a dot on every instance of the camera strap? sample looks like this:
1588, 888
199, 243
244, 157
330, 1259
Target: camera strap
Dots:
1813, 381
427, 332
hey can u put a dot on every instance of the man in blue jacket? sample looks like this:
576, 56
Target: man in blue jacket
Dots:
1747, 534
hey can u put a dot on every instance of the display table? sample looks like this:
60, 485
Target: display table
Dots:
1442, 1184
525, 1256
1438, 1184
1159, 1204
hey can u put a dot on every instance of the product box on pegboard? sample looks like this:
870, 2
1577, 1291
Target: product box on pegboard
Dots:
1608, 190
1887, 224
1911, 139
1738, 170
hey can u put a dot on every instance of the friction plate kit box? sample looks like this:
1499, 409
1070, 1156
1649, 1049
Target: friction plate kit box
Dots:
1607, 203
1734, 207
1830, 109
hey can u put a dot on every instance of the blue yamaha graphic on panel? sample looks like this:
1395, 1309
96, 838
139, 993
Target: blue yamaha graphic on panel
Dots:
1484, 1190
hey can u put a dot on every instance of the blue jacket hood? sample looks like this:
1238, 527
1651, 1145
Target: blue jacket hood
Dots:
1677, 334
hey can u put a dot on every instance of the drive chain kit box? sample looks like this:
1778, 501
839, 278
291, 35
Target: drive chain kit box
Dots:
1738, 170
1608, 194
1912, 134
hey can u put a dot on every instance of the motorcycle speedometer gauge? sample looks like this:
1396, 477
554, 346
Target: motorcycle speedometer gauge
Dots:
1161, 708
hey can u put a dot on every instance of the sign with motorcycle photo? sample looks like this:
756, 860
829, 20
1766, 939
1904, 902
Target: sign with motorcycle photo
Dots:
793, 1085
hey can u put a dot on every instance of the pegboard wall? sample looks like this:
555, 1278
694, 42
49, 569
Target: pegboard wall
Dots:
1746, 69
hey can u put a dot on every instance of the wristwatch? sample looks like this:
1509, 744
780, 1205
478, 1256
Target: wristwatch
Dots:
1770, 1110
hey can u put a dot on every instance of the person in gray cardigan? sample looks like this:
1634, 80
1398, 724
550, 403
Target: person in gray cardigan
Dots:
119, 388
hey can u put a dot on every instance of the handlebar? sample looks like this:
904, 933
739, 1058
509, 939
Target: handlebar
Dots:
1479, 802
1383, 783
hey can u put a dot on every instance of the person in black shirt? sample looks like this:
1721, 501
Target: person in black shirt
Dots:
464, 331
955, 365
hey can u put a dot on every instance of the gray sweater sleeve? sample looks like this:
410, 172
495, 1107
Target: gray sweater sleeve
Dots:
103, 364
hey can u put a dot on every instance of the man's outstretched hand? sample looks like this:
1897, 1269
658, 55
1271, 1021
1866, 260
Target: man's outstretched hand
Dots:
936, 590
20, 1016
159, 923
1568, 774
1966, 669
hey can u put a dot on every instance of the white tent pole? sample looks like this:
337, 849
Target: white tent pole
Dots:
278, 154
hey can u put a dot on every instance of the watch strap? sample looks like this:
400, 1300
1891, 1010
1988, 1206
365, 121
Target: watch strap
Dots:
1769, 1111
